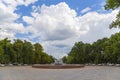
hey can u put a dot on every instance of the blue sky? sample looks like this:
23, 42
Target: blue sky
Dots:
77, 5
56, 24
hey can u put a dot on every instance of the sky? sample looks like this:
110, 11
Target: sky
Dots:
56, 24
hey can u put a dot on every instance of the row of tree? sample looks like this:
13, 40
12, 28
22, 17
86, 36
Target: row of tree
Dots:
102, 51
106, 50
23, 52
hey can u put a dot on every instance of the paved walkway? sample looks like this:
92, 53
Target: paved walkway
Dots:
87, 73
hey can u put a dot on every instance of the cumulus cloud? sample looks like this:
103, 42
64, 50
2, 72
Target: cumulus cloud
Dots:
15, 3
57, 26
8, 16
98, 25
55, 22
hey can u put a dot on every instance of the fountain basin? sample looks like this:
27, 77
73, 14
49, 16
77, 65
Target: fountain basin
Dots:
65, 66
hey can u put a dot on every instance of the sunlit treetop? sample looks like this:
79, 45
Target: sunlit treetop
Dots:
113, 4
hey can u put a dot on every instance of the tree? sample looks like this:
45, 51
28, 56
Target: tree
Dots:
70, 59
38, 53
27, 53
23, 52
18, 47
45, 58
1, 54
79, 53
64, 59
113, 4
5, 43
40, 56
106, 50
108, 54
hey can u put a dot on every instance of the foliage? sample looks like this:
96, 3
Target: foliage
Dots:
23, 52
113, 4
102, 51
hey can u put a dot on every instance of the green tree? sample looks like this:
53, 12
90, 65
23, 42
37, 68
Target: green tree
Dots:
40, 56
18, 47
64, 59
38, 52
45, 58
106, 50
113, 4
5, 43
70, 59
23, 52
1, 54
98, 50
79, 53
28, 54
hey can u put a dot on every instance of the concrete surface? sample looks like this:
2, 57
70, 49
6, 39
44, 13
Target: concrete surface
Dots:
86, 73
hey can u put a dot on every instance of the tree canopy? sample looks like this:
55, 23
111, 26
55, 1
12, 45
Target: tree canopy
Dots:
113, 4
23, 52
106, 50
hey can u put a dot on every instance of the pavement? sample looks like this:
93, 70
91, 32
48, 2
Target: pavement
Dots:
86, 73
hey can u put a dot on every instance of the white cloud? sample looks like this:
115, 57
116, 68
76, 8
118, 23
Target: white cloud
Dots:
98, 25
57, 26
85, 10
55, 20
27, 19
15, 3
4, 34
8, 17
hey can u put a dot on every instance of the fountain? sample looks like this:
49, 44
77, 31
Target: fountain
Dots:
58, 64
